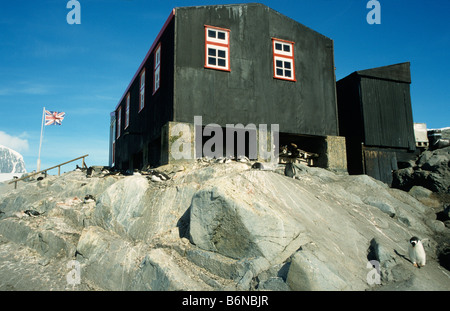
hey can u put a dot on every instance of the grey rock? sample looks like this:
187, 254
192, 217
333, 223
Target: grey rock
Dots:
274, 284
381, 204
237, 229
217, 227
308, 272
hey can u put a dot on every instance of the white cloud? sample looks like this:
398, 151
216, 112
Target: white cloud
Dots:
16, 143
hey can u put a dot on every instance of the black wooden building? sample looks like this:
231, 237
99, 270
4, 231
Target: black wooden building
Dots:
375, 116
229, 64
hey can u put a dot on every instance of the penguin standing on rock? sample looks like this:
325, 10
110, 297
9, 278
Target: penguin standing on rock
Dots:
289, 170
158, 176
416, 252
258, 166
89, 172
32, 213
89, 198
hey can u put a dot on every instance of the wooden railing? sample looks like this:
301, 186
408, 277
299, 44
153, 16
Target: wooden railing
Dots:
48, 169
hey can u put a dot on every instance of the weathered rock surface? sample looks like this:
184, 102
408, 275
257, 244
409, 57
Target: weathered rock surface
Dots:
217, 227
431, 171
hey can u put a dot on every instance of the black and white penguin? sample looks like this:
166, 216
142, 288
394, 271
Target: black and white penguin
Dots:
89, 198
79, 169
158, 176
416, 252
290, 170
223, 160
258, 166
243, 159
105, 171
32, 213
89, 172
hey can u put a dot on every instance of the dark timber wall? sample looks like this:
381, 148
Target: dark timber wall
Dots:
140, 142
375, 116
249, 93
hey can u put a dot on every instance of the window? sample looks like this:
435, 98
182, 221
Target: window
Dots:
157, 71
119, 121
142, 91
283, 60
217, 48
127, 111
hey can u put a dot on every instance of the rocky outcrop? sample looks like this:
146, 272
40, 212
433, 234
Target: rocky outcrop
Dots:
220, 227
431, 171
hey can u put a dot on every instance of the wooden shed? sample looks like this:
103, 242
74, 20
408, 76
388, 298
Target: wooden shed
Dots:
375, 116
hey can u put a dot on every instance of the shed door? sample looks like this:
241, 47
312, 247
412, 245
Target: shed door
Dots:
380, 164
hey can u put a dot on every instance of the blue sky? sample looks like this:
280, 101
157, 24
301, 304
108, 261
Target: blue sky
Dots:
84, 69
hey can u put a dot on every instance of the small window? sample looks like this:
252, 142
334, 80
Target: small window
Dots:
142, 91
217, 48
157, 69
119, 121
127, 111
283, 60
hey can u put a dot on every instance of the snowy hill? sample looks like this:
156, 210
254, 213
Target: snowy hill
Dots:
11, 164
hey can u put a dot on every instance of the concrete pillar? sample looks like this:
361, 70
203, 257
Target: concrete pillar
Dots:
333, 155
177, 142
268, 145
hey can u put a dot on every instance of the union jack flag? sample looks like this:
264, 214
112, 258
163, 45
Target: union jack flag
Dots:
53, 117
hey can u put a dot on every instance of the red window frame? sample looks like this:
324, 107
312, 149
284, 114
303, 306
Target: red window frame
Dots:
142, 90
285, 56
157, 68
224, 45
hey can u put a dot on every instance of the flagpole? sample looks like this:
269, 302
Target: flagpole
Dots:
40, 143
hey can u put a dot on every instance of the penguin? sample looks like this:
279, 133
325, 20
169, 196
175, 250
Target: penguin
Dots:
89, 198
158, 176
258, 166
416, 252
243, 159
289, 170
89, 172
284, 151
220, 160
32, 213
105, 171
155, 178
79, 169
